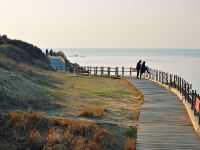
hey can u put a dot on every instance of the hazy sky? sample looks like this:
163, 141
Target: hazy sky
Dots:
103, 23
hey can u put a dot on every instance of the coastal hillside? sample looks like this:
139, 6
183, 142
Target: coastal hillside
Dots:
23, 52
44, 109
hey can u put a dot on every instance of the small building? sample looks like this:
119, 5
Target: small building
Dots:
58, 63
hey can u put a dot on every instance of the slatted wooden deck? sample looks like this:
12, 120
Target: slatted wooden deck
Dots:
164, 122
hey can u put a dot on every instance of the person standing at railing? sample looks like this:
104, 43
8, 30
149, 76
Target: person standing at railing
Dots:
47, 52
138, 66
143, 69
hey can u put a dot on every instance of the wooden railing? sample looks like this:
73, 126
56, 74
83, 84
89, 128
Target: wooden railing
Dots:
174, 81
104, 71
179, 83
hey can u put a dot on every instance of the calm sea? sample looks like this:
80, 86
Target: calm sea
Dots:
184, 62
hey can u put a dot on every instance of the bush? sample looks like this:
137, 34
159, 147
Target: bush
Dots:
130, 144
92, 112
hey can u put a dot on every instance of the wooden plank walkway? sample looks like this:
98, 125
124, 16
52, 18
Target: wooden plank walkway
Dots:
164, 122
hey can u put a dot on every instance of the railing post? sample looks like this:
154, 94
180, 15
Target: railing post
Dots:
185, 87
178, 86
182, 86
162, 77
96, 70
188, 92
90, 70
195, 98
130, 71
171, 79
150, 75
108, 71
192, 101
122, 71
101, 70
156, 75
167, 81
174, 81
116, 71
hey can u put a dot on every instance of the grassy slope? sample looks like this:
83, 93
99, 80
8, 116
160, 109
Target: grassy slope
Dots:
66, 95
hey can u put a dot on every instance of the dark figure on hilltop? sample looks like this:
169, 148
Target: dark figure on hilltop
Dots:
138, 66
143, 69
47, 51
51, 52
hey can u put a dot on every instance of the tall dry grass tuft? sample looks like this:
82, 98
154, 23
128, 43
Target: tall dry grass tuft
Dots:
62, 134
68, 136
92, 112
20, 119
64, 122
53, 120
99, 135
130, 144
53, 137
33, 135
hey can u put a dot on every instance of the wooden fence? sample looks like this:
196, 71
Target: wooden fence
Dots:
104, 71
171, 80
179, 83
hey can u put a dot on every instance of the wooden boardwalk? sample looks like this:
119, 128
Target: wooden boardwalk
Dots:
164, 122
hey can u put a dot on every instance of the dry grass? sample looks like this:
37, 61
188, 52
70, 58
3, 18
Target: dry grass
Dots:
53, 137
54, 133
34, 137
124, 99
92, 112
62, 122
138, 99
134, 90
24, 85
20, 119
68, 136
130, 144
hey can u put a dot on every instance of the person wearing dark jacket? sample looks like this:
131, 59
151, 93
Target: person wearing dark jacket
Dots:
143, 69
138, 66
47, 52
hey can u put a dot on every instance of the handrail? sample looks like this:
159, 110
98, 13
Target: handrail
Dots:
103, 71
179, 83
